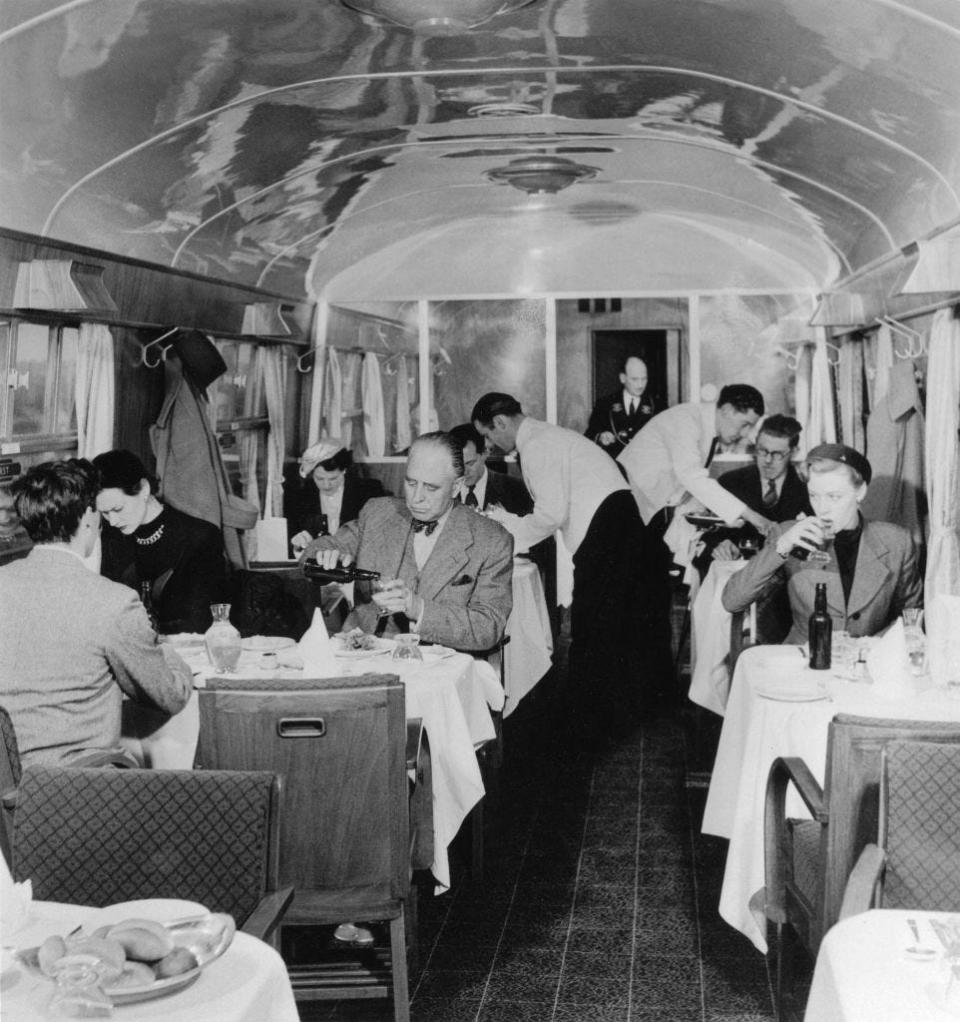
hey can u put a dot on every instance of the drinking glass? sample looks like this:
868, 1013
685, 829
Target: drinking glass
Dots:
383, 587
407, 647
913, 633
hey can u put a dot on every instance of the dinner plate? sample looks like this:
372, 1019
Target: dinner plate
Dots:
792, 695
380, 647
267, 643
435, 652
206, 934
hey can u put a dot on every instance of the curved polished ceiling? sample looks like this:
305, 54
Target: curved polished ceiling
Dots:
307, 148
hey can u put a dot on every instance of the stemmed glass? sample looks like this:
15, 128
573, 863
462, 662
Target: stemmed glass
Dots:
913, 633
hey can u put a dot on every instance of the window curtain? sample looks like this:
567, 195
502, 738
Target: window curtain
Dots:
883, 365
374, 424
95, 390
274, 368
403, 405
351, 402
332, 394
942, 457
250, 439
821, 427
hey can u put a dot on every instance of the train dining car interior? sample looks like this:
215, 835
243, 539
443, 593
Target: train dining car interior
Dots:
346, 221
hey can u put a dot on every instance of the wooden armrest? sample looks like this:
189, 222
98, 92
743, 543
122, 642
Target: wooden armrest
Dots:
776, 841
269, 912
861, 889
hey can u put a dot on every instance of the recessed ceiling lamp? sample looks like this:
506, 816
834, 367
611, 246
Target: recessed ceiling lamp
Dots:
538, 175
436, 17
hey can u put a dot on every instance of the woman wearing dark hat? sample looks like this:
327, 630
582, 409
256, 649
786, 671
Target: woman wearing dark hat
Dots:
871, 568
331, 494
146, 541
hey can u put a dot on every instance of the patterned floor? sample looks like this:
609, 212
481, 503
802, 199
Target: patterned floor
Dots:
599, 900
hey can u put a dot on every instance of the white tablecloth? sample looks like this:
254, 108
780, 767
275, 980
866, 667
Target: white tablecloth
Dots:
247, 984
710, 639
756, 730
528, 653
864, 975
453, 696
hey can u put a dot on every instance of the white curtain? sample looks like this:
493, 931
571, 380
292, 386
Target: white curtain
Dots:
333, 395
274, 367
350, 400
884, 363
318, 372
249, 439
802, 394
821, 427
942, 457
374, 425
95, 390
403, 406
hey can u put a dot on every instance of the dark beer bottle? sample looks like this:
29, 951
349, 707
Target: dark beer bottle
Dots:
820, 631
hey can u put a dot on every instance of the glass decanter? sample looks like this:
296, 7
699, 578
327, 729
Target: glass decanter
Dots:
222, 640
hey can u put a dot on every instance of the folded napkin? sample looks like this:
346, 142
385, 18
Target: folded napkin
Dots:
15, 901
316, 650
942, 618
888, 665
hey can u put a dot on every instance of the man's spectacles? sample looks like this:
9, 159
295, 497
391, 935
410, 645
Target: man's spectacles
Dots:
762, 452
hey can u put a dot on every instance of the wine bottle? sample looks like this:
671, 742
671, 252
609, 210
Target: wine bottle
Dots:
146, 598
341, 573
820, 631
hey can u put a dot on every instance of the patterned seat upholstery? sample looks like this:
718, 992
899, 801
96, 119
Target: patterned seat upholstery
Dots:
808, 862
97, 837
917, 862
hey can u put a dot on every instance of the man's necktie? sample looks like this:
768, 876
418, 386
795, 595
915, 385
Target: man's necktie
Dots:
632, 409
471, 498
770, 494
426, 527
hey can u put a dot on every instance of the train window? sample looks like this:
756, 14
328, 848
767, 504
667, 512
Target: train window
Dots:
242, 423
38, 364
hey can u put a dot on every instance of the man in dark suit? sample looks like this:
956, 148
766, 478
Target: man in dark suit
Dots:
617, 417
483, 489
771, 486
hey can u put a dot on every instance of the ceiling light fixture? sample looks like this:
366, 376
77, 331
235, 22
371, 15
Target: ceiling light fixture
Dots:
436, 17
538, 175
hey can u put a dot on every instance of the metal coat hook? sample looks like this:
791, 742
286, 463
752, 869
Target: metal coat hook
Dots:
916, 342
163, 351
792, 358
832, 347
301, 368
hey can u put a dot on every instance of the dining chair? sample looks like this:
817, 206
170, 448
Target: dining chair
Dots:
340, 744
11, 769
808, 861
91, 836
915, 863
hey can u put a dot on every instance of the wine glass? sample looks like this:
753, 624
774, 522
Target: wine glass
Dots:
913, 634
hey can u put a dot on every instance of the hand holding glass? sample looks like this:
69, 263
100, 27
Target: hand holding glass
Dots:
390, 595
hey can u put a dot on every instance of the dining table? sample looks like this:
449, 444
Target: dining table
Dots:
778, 706
872, 968
247, 983
451, 692
529, 653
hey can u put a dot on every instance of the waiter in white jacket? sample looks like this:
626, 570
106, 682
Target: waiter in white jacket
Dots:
619, 617
669, 458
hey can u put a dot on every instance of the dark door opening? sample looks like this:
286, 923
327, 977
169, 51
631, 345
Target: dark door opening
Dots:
611, 347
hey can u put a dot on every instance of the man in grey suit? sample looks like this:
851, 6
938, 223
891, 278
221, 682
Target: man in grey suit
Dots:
73, 643
452, 568
870, 568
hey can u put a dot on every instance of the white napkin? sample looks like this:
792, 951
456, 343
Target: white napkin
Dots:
15, 901
942, 620
316, 650
888, 665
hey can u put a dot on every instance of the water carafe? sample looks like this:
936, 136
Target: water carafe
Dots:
222, 640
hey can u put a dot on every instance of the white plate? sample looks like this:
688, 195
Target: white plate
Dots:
267, 643
437, 652
163, 910
381, 646
792, 695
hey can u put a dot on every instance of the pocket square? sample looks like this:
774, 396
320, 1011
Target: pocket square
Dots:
463, 580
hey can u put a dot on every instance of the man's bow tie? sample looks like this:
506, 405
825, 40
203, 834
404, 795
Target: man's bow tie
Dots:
426, 527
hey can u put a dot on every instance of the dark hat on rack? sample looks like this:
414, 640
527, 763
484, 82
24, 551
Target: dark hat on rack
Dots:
845, 455
201, 360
